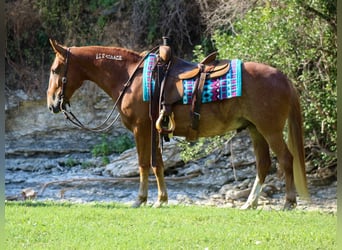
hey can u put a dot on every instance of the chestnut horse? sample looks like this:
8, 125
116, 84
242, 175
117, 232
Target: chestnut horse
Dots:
268, 100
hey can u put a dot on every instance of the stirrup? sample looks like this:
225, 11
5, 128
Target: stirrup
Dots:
163, 128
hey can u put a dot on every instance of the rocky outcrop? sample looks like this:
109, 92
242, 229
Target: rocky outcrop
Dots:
42, 147
31, 130
44, 150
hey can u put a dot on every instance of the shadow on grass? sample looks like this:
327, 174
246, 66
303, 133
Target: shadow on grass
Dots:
110, 205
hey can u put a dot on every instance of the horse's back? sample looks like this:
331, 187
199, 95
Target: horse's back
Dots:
265, 76
266, 94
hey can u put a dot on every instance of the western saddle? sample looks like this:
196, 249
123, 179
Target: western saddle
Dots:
168, 75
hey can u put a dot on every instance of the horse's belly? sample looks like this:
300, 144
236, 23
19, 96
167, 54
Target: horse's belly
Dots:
215, 119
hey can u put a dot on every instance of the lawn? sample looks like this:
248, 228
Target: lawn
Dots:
49, 225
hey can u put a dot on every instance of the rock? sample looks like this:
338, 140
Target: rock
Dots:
237, 194
216, 196
32, 130
245, 184
126, 165
189, 169
28, 194
184, 199
225, 188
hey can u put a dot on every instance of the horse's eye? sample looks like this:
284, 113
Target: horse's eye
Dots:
55, 71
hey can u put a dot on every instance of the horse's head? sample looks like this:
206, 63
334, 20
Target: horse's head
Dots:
63, 82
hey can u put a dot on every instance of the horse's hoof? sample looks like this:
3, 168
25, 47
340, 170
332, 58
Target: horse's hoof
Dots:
248, 205
138, 203
289, 205
159, 204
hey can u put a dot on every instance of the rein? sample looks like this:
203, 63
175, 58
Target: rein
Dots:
102, 127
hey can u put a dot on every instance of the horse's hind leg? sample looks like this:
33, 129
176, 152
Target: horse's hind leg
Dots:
263, 164
285, 159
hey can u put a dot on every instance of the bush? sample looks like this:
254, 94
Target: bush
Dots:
136, 24
29, 26
108, 147
300, 40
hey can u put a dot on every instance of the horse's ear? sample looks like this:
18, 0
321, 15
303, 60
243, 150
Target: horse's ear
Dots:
57, 47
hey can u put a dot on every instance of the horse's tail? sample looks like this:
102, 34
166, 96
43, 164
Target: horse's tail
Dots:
296, 145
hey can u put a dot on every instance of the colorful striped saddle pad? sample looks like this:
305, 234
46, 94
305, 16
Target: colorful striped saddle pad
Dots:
215, 89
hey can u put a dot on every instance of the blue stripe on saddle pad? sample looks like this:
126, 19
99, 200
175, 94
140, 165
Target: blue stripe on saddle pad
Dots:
224, 87
149, 64
216, 89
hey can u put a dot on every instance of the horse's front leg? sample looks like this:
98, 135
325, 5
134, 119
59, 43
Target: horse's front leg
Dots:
143, 186
159, 173
143, 144
141, 136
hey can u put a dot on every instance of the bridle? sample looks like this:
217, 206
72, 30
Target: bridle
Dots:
71, 117
103, 126
64, 81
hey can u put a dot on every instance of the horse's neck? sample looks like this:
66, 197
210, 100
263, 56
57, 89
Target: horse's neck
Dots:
108, 67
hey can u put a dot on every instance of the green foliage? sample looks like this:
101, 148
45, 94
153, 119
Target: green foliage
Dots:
203, 147
71, 20
87, 165
37, 225
292, 37
152, 34
108, 147
71, 162
96, 4
29, 26
177, 19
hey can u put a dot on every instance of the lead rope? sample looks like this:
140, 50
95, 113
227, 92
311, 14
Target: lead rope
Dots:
73, 119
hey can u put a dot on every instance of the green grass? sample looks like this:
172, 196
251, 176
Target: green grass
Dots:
36, 225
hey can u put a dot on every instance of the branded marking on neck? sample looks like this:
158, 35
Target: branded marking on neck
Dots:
108, 56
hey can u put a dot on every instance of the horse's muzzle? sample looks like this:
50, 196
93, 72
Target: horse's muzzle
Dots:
58, 106
54, 109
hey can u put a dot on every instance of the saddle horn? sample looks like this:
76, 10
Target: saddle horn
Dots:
165, 50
